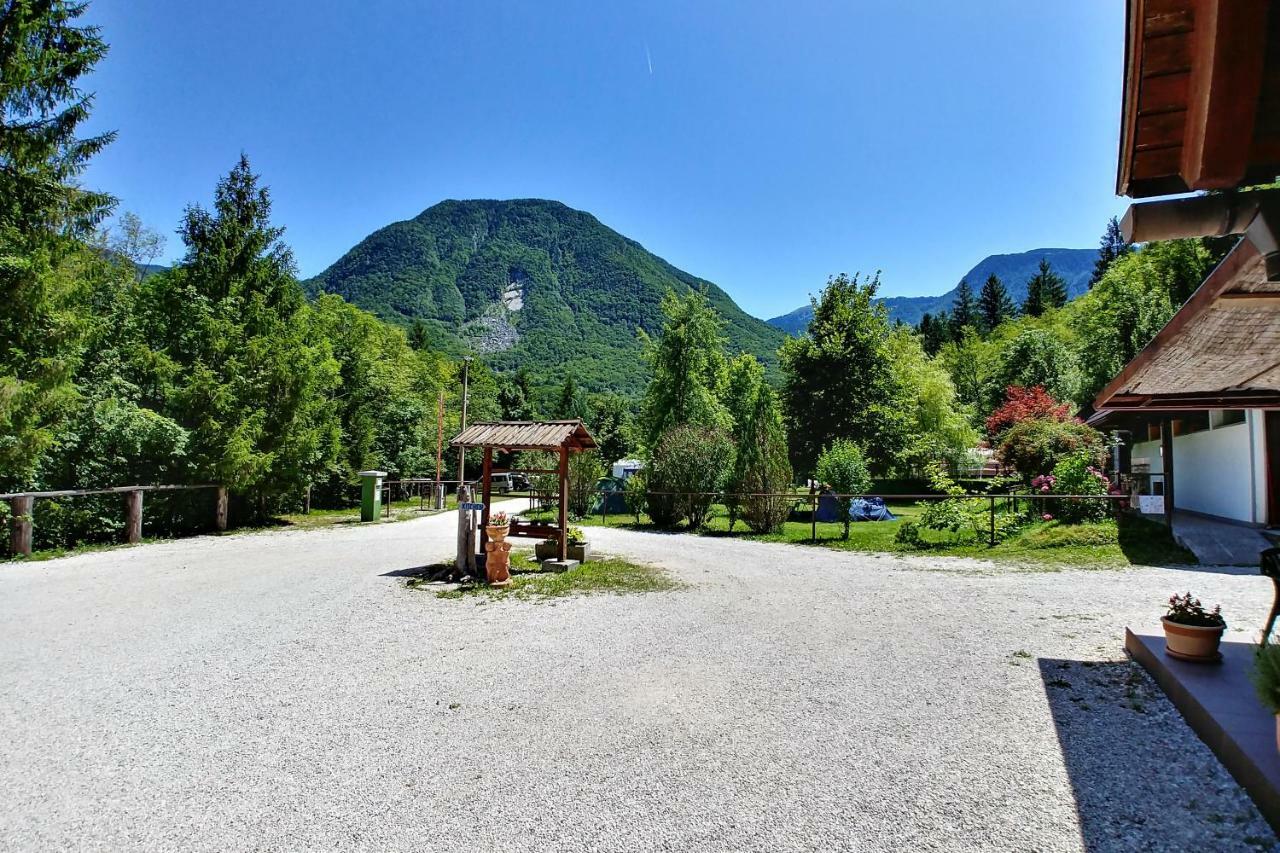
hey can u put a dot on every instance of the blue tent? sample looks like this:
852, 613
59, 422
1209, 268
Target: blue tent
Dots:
860, 509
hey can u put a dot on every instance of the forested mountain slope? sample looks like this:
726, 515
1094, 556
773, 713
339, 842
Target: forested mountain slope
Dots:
528, 283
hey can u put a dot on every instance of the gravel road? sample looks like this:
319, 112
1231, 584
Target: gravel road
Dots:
284, 691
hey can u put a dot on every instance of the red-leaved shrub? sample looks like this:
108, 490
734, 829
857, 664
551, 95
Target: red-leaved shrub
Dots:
1026, 404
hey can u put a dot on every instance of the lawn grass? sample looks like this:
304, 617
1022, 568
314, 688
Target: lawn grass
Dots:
600, 575
1041, 544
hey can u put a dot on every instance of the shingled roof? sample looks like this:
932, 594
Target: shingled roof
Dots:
527, 435
1221, 350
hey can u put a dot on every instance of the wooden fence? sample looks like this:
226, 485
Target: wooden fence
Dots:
22, 505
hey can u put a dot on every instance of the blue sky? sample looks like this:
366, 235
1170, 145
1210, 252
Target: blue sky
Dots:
763, 146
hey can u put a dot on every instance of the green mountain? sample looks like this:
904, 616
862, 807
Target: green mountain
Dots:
529, 283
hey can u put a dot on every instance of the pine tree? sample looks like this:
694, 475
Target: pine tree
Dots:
963, 311
245, 369
1046, 289
994, 304
1112, 247
419, 338
569, 403
934, 332
43, 54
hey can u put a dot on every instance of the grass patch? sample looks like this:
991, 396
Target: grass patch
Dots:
1039, 545
600, 575
404, 510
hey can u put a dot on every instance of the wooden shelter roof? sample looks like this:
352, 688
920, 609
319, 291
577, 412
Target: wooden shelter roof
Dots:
569, 435
1201, 105
1221, 350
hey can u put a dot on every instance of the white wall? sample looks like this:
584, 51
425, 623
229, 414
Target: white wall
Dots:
1214, 470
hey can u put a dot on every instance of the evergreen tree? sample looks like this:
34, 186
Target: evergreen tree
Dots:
570, 403
1112, 248
1045, 290
688, 363
43, 54
932, 336
762, 474
515, 397
238, 360
994, 304
963, 311
838, 381
419, 338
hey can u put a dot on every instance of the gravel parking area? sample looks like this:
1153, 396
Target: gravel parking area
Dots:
286, 691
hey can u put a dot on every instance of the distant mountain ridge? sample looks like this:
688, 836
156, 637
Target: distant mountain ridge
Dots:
529, 283
1074, 265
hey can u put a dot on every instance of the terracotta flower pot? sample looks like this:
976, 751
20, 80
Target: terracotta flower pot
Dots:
1192, 642
497, 534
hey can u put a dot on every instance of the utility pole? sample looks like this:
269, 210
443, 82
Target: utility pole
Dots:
462, 451
437, 488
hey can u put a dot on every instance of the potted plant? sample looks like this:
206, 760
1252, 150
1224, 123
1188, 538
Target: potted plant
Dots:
1192, 632
1266, 680
577, 547
499, 524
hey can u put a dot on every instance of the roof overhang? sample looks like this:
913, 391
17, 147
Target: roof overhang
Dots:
570, 435
1221, 350
1201, 105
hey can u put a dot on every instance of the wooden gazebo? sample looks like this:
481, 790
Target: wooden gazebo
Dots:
558, 437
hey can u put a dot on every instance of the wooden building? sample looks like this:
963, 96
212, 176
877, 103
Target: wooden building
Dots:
1201, 112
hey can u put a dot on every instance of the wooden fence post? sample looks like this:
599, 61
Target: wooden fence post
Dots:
20, 524
133, 517
220, 510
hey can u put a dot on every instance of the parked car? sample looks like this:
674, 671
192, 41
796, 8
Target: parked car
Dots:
500, 483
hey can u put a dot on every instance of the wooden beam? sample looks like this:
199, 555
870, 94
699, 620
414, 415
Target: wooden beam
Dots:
486, 483
1166, 466
563, 546
1228, 54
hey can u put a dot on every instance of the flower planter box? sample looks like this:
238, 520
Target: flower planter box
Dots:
550, 551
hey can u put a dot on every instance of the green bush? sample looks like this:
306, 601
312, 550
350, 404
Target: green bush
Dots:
1035, 447
689, 465
1266, 676
908, 536
635, 493
585, 471
1078, 475
843, 467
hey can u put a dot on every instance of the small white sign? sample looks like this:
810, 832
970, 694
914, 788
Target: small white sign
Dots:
1151, 504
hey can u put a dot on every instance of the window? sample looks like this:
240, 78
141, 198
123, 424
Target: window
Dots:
1191, 422
1227, 417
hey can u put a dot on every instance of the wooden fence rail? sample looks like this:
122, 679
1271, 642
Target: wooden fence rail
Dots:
22, 505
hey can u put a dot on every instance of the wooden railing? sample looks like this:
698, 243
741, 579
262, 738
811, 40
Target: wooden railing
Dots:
22, 505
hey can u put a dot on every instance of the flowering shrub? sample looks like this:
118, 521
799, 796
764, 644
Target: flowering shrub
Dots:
1026, 404
1034, 447
1078, 475
1044, 483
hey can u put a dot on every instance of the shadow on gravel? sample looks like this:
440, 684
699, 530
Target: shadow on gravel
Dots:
1137, 785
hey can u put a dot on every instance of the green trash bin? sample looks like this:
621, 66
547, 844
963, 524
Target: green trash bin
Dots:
371, 494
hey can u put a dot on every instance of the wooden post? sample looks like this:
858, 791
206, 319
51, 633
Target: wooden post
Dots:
564, 504
20, 524
306, 501
993, 522
1166, 465
486, 480
133, 517
220, 509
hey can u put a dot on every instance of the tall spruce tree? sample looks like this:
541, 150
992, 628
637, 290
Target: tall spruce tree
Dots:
994, 304
43, 209
1111, 248
1045, 290
963, 310
240, 363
